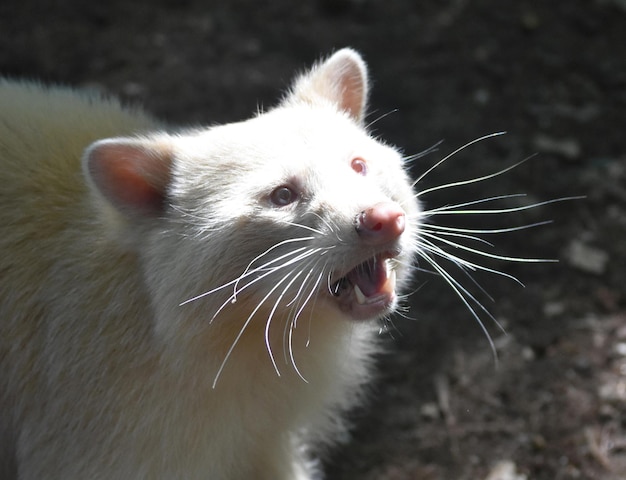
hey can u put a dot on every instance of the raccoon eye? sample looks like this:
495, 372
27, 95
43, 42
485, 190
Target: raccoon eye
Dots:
359, 166
283, 195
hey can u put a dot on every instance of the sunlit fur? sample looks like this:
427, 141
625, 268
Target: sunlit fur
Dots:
200, 341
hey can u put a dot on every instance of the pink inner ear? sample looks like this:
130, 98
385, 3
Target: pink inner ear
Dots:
351, 83
132, 175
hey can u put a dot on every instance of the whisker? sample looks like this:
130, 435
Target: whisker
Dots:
403, 314
473, 202
291, 354
484, 137
329, 287
236, 291
461, 262
294, 303
328, 225
429, 150
209, 292
308, 298
480, 287
233, 298
444, 211
408, 295
465, 267
465, 296
302, 286
494, 211
302, 256
472, 180
434, 226
273, 247
486, 254
380, 117
434, 231
306, 227
269, 320
244, 327
247, 270
293, 324
313, 290
298, 305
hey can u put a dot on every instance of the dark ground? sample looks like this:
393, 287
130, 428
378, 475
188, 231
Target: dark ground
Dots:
553, 74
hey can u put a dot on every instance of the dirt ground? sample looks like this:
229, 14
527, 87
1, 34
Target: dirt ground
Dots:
552, 74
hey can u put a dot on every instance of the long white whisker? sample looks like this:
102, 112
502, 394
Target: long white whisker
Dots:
421, 177
486, 254
308, 297
434, 231
209, 292
323, 220
243, 328
472, 202
302, 286
269, 320
463, 263
380, 117
233, 298
461, 293
291, 355
479, 286
247, 270
423, 153
307, 253
313, 290
434, 226
294, 304
299, 225
294, 322
329, 286
273, 247
444, 211
264, 267
471, 180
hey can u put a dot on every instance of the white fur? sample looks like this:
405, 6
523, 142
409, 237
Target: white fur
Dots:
105, 371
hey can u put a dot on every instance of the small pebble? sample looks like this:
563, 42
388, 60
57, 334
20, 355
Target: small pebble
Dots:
505, 470
586, 258
568, 148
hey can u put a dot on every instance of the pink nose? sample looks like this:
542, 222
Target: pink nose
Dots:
380, 224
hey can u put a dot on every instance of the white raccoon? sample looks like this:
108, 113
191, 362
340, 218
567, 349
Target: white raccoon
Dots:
195, 304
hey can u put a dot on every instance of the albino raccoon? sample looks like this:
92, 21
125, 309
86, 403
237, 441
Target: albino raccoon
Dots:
192, 304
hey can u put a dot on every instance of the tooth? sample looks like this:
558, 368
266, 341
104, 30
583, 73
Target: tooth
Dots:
360, 297
390, 283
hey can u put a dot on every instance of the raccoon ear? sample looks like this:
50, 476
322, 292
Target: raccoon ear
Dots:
133, 175
341, 79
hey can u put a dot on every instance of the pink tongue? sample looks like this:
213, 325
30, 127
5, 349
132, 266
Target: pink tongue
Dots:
370, 280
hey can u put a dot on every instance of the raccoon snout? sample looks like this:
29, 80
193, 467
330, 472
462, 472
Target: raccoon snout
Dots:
381, 223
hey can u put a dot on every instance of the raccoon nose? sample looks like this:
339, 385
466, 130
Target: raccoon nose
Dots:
381, 223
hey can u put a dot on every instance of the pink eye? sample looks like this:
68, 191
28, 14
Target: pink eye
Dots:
359, 166
283, 195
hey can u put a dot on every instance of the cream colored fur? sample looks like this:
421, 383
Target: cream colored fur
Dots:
105, 371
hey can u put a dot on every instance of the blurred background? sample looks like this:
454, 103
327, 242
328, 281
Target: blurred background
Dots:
550, 74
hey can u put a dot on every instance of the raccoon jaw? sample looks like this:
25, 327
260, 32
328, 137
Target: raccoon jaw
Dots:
368, 290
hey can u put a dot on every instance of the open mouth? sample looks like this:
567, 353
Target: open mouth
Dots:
368, 290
